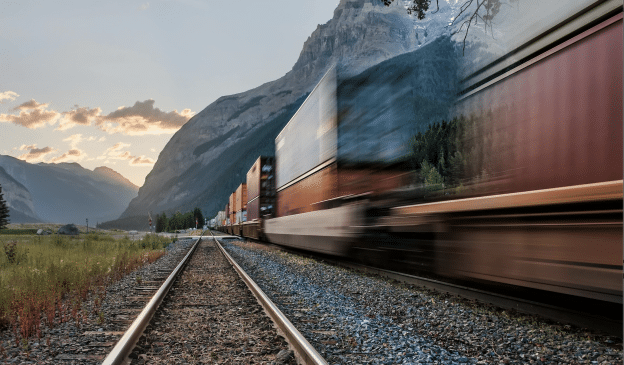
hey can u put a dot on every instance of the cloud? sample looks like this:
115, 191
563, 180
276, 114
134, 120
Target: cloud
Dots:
142, 160
115, 152
71, 155
139, 119
8, 95
144, 6
35, 154
143, 118
79, 116
112, 151
27, 147
31, 115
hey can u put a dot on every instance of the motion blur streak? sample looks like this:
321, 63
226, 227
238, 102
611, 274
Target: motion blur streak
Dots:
516, 182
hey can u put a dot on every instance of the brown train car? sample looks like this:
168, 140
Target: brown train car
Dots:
241, 203
548, 213
232, 213
241, 198
330, 185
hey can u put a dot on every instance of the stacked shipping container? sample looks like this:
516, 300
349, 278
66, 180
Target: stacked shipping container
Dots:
232, 211
261, 189
240, 201
226, 218
313, 172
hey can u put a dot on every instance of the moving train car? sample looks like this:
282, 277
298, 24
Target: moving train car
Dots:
540, 203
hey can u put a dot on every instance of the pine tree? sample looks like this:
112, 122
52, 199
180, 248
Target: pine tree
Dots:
4, 211
161, 222
199, 217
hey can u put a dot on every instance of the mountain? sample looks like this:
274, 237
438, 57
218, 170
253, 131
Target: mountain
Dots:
18, 199
109, 174
63, 193
210, 155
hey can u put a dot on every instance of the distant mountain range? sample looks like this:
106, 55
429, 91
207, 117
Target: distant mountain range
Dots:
63, 193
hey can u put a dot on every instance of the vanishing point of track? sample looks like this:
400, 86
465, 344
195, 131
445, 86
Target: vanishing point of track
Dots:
194, 302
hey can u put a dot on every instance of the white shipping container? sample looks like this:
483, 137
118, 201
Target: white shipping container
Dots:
309, 138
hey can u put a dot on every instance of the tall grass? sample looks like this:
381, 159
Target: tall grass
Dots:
46, 279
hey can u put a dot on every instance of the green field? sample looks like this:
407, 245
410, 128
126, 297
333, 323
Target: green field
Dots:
46, 279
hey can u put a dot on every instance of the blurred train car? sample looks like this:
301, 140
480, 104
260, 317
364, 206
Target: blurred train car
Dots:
323, 171
540, 204
547, 212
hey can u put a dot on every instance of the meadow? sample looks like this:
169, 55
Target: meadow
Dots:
44, 280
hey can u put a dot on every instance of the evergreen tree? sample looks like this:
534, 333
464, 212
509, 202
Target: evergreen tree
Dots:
161, 222
437, 154
176, 222
189, 222
199, 217
4, 211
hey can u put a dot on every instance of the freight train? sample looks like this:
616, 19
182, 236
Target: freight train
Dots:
540, 201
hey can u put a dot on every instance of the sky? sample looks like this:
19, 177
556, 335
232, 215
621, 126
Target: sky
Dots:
107, 83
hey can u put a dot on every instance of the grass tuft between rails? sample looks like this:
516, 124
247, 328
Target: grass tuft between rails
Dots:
44, 280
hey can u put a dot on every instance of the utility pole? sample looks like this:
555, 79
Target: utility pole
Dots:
87, 225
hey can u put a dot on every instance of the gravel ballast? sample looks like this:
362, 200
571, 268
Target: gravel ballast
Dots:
351, 318
211, 317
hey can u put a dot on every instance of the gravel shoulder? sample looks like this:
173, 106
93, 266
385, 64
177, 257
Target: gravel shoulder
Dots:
354, 318
90, 340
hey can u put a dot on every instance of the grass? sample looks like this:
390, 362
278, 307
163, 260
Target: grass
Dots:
44, 280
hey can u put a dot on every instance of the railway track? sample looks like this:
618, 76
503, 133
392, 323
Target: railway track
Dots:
210, 316
602, 320
90, 342
355, 317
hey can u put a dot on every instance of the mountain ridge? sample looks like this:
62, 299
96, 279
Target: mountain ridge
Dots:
190, 169
64, 192
361, 33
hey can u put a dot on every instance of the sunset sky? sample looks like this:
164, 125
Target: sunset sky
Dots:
107, 83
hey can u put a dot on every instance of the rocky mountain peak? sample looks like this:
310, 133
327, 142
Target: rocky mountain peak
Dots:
362, 33
114, 175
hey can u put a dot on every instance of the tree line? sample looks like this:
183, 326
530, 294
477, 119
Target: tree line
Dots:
437, 154
179, 221
4, 211
451, 155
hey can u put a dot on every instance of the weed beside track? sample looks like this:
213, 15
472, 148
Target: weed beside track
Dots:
44, 280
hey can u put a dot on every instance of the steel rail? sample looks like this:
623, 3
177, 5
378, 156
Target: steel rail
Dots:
125, 345
305, 352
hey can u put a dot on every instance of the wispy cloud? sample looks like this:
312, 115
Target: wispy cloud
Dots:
31, 115
71, 155
116, 152
35, 154
7, 95
142, 160
144, 6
